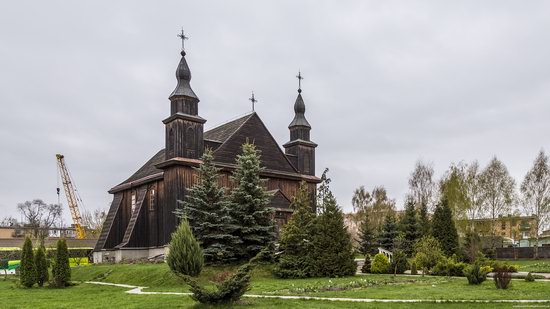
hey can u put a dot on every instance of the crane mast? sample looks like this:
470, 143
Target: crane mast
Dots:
68, 186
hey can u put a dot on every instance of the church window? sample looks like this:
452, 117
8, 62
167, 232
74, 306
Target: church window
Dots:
152, 199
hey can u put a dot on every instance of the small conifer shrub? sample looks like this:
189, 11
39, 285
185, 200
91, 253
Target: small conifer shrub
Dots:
27, 275
41, 265
530, 277
380, 264
61, 270
185, 257
366, 265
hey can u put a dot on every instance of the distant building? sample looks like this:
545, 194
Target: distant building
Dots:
516, 229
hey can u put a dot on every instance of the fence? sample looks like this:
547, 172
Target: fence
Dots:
522, 253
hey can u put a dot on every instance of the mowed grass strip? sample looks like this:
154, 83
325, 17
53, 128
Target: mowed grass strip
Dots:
536, 266
157, 277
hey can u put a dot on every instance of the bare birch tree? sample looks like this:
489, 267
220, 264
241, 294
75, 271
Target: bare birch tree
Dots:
421, 184
40, 216
535, 189
93, 221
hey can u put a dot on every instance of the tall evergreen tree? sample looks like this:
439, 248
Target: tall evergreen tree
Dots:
367, 237
27, 274
61, 269
424, 220
207, 210
443, 228
41, 265
253, 219
388, 233
296, 259
333, 249
409, 228
185, 256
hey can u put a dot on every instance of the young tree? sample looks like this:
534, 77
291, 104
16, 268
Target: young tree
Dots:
27, 274
388, 233
428, 253
424, 221
323, 191
61, 269
443, 228
41, 265
185, 257
381, 207
409, 228
361, 200
253, 219
499, 192
207, 210
367, 237
421, 184
536, 194
332, 250
296, 244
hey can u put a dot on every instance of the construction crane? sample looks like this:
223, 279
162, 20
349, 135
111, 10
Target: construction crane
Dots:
71, 195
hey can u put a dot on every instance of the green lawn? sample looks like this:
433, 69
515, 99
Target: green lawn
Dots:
539, 266
159, 278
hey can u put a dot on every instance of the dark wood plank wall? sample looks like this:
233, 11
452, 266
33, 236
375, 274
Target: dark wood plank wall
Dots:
176, 179
112, 216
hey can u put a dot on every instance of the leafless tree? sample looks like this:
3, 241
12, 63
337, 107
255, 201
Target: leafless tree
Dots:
40, 216
499, 192
9, 221
361, 199
93, 221
535, 189
421, 184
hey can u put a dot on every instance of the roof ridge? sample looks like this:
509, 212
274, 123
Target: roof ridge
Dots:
231, 120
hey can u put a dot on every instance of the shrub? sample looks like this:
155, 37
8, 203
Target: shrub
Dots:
475, 273
428, 253
448, 267
185, 257
399, 262
227, 292
61, 270
367, 265
414, 271
380, 264
41, 265
502, 278
495, 265
28, 269
530, 277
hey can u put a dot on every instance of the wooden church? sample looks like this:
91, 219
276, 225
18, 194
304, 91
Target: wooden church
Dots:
141, 217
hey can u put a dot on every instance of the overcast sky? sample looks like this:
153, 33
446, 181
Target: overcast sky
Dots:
386, 83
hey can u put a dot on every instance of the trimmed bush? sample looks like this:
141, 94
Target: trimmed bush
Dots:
449, 267
227, 292
399, 262
530, 277
366, 265
380, 264
61, 270
185, 257
27, 275
414, 271
502, 278
41, 265
475, 273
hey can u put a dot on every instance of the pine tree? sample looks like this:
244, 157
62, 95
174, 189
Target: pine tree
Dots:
424, 220
27, 274
41, 265
409, 228
207, 210
253, 220
443, 228
61, 270
367, 238
185, 257
388, 233
296, 259
333, 249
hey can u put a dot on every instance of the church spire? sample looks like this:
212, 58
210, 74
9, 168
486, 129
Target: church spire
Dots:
299, 108
183, 74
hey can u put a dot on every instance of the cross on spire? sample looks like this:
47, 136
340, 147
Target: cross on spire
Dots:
183, 38
299, 77
253, 100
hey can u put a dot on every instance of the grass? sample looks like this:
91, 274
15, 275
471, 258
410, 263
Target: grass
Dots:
538, 266
159, 278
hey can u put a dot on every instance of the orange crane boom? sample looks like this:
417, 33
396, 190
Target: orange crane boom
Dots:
68, 186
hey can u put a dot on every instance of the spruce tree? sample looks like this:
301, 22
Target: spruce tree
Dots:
409, 228
333, 249
61, 269
367, 238
27, 274
424, 220
41, 265
253, 220
443, 228
185, 257
389, 232
207, 210
296, 259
